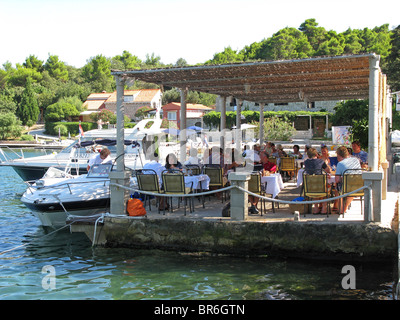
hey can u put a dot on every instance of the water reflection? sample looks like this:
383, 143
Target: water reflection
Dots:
83, 272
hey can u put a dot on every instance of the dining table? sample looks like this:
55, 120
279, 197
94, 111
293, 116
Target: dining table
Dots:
200, 181
274, 184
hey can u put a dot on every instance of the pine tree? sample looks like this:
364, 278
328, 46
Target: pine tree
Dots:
28, 109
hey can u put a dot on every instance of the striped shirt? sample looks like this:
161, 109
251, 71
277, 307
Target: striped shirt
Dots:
347, 163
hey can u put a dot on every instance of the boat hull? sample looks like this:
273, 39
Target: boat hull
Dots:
53, 215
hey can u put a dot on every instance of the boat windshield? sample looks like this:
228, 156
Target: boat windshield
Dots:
99, 171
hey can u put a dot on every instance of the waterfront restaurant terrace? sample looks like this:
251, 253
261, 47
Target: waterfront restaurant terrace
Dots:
314, 79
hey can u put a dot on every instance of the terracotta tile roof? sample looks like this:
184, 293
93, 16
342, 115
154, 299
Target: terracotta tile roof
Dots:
93, 105
189, 106
146, 95
99, 96
143, 95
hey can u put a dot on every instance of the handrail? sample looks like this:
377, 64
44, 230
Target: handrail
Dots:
60, 186
235, 186
368, 216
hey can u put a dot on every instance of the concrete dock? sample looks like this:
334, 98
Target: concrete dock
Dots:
207, 231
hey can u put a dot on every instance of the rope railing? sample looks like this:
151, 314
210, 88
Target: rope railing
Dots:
242, 189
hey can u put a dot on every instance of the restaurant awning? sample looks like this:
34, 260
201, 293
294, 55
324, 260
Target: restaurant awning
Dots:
312, 79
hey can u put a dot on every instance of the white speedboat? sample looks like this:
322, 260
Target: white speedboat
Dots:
77, 155
54, 197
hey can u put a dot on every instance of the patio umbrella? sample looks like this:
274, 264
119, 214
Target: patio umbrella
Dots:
245, 126
172, 131
195, 128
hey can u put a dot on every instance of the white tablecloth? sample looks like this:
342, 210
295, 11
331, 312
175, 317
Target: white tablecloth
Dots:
203, 178
274, 184
331, 178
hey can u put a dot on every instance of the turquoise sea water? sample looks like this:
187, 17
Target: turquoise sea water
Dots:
82, 272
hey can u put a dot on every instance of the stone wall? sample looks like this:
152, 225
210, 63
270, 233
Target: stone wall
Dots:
356, 241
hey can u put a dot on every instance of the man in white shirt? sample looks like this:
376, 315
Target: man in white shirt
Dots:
155, 165
102, 158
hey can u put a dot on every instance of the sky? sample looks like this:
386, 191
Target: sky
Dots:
76, 30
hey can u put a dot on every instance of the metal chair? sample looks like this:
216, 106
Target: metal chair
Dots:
148, 181
257, 187
352, 180
315, 186
287, 164
194, 169
174, 183
272, 159
215, 174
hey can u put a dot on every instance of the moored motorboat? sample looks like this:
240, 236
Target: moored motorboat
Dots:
77, 154
53, 199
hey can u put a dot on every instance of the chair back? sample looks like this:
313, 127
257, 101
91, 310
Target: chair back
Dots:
148, 180
352, 180
215, 175
254, 184
272, 159
315, 185
194, 168
287, 164
173, 181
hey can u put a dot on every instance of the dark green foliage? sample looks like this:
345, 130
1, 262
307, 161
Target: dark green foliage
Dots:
28, 110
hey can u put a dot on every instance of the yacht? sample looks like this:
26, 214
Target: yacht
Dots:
58, 195
77, 155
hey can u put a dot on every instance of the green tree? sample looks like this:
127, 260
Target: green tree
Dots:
287, 43
61, 110
180, 63
28, 110
346, 111
126, 61
226, 56
56, 68
98, 72
19, 76
392, 66
10, 126
315, 35
105, 115
352, 42
32, 62
153, 61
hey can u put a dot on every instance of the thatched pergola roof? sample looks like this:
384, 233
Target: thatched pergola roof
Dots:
312, 79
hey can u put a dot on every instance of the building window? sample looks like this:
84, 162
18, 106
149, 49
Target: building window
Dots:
171, 115
128, 98
310, 105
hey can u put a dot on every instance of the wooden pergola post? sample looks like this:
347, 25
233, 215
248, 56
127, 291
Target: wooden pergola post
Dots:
118, 196
223, 122
182, 127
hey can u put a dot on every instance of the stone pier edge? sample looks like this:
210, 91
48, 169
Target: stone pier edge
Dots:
334, 241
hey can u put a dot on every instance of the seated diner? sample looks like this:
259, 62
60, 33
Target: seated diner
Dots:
345, 162
314, 165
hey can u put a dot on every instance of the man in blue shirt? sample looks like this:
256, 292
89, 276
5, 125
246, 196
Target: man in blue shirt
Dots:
358, 153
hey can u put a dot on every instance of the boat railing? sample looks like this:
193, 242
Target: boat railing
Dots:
62, 185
